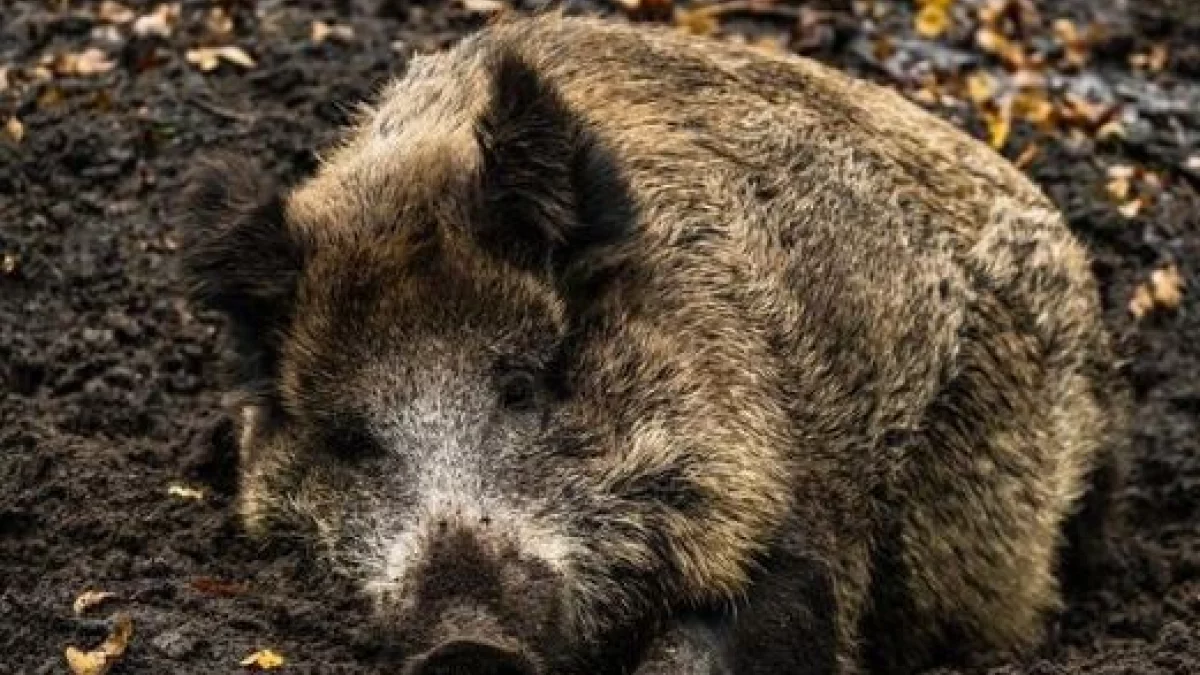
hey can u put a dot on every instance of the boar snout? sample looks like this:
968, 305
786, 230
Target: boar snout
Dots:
474, 606
472, 656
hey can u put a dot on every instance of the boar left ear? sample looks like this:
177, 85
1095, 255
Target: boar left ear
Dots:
240, 259
549, 186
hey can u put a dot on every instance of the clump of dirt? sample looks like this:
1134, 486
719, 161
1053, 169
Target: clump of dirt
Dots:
109, 392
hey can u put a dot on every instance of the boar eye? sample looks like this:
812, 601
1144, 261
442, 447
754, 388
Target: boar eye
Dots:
518, 390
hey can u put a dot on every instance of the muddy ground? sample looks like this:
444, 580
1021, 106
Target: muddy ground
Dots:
108, 385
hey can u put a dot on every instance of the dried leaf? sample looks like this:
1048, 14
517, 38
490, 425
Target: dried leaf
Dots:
697, 21
1158, 57
209, 58
1079, 109
1118, 189
1076, 46
219, 22
264, 659
160, 22
89, 599
1111, 129
185, 492
484, 6
3, 78
994, 43
992, 11
14, 129
1142, 301
647, 8
1121, 171
999, 126
236, 55
104, 657
1035, 108
9, 263
1167, 286
90, 61
1164, 290
214, 586
932, 21
114, 12
322, 31
1028, 78
981, 87
1027, 156
1131, 208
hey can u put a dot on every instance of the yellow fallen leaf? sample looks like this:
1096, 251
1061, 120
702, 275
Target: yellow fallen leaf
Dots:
89, 599
1158, 57
1118, 188
1167, 286
9, 262
1111, 129
185, 492
1027, 156
100, 660
219, 22
1121, 171
90, 61
14, 129
1028, 78
264, 659
999, 126
932, 21
1131, 208
160, 22
696, 21
992, 11
1142, 301
322, 31
1081, 110
484, 6
981, 87
1034, 107
114, 12
1164, 290
647, 7
208, 58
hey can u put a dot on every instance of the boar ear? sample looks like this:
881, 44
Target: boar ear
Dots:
240, 259
549, 186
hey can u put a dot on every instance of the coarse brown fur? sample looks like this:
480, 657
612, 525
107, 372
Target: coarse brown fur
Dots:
818, 380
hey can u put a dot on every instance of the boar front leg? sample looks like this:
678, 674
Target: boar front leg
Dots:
688, 648
789, 625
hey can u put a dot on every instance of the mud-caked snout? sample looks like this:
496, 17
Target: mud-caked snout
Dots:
475, 603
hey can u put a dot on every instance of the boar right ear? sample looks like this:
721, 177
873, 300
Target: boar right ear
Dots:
240, 259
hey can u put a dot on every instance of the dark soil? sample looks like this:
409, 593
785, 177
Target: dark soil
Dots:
109, 386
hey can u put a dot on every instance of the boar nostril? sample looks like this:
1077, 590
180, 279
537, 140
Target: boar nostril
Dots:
472, 657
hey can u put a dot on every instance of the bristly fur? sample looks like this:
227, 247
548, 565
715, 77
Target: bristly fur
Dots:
606, 342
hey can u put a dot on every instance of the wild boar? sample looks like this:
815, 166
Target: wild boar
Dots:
596, 348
